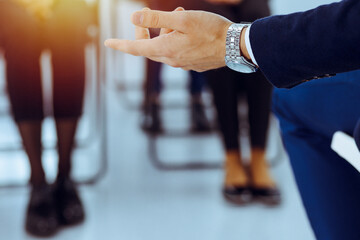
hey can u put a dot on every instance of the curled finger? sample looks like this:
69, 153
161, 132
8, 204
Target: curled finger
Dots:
166, 30
140, 32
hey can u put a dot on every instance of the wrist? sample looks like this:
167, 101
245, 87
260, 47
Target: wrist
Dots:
243, 49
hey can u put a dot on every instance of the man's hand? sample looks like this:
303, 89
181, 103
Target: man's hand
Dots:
191, 40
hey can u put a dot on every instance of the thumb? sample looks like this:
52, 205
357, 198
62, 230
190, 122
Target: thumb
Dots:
160, 19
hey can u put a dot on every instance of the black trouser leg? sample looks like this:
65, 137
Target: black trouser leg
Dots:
224, 89
152, 84
258, 91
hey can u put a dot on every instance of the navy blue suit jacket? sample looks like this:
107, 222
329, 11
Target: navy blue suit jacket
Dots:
295, 48
302, 46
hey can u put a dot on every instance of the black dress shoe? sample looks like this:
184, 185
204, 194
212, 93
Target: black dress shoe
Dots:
199, 121
237, 195
268, 195
70, 210
151, 121
41, 216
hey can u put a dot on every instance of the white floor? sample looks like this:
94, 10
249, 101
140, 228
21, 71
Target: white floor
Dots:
136, 201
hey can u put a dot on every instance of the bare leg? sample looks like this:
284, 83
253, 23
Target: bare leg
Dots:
263, 186
235, 174
66, 129
260, 170
30, 132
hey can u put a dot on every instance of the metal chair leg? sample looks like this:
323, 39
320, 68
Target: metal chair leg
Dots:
162, 164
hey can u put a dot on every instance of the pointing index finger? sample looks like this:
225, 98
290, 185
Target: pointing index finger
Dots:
141, 47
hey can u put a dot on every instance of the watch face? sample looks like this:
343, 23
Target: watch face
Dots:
240, 67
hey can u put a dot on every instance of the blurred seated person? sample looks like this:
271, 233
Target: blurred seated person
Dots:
240, 185
151, 121
27, 27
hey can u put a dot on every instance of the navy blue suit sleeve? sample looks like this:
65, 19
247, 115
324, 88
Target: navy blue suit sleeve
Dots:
291, 49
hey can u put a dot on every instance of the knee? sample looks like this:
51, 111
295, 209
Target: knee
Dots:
281, 103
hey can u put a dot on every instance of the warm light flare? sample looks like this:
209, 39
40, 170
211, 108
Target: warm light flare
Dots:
39, 8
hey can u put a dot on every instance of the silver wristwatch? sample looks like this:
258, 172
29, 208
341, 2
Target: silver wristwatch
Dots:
233, 57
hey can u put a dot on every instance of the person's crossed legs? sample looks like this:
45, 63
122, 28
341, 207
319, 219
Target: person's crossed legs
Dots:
329, 186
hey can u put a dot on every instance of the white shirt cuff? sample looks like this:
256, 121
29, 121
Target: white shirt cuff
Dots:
248, 45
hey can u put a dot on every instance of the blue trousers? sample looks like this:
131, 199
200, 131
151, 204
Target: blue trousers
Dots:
309, 114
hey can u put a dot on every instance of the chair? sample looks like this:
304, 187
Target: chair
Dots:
275, 150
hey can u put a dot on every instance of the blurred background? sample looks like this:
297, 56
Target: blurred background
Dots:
137, 182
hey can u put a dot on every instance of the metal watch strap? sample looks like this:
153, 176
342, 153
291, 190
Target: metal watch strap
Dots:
233, 54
